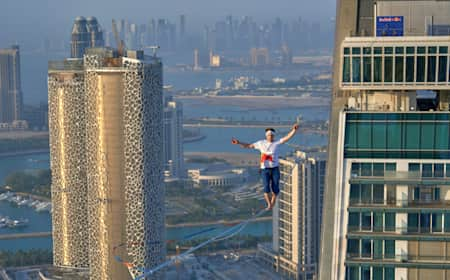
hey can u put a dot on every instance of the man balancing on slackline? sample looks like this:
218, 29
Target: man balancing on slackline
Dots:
270, 172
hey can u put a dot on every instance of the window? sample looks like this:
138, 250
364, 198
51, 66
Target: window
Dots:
436, 219
439, 170
356, 69
425, 222
410, 68
378, 194
346, 70
378, 169
377, 273
427, 170
355, 193
446, 222
420, 71
346, 50
413, 222
414, 167
367, 69
365, 273
377, 221
389, 273
353, 221
377, 249
353, 248
352, 273
366, 248
366, 221
366, 193
389, 221
377, 69
442, 71
399, 69
389, 249
431, 69
388, 69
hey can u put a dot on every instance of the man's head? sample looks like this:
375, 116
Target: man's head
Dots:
270, 134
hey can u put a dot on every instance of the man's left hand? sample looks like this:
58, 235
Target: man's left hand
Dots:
295, 127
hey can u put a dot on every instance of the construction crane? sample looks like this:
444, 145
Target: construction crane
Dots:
119, 42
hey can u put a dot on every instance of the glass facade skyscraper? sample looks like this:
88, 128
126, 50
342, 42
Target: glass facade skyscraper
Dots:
387, 200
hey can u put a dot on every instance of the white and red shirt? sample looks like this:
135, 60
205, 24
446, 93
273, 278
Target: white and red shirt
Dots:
269, 152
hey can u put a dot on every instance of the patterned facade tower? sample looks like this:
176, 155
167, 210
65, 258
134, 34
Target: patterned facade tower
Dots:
124, 161
66, 96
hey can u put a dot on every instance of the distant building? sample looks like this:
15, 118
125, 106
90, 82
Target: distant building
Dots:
286, 55
259, 56
86, 33
36, 116
297, 216
11, 100
216, 175
173, 139
214, 59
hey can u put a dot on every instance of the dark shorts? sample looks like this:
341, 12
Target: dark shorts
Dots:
271, 180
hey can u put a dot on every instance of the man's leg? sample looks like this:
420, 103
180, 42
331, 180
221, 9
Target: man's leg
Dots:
275, 186
266, 185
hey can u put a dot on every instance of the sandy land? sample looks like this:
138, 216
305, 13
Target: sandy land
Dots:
258, 102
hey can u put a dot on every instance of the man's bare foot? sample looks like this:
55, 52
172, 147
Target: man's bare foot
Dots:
269, 207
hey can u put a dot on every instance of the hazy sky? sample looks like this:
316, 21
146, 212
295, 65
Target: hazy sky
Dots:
35, 18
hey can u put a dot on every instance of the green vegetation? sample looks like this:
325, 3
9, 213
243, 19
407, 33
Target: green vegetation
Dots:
23, 144
23, 258
35, 182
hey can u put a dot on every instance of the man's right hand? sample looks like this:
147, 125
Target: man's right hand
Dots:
234, 141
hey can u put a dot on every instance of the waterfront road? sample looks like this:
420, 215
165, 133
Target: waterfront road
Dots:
25, 235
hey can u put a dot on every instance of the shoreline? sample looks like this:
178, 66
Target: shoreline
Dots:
23, 153
221, 222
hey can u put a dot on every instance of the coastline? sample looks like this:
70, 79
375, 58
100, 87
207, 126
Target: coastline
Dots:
26, 152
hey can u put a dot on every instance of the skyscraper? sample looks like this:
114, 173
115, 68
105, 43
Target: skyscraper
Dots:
67, 128
120, 161
388, 180
173, 139
297, 217
11, 102
86, 33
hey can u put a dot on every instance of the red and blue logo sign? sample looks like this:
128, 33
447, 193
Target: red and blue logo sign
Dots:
390, 26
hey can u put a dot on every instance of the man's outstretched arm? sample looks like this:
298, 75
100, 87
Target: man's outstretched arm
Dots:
242, 144
290, 134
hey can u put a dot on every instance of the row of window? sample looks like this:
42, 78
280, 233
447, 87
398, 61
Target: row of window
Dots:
375, 194
395, 65
372, 168
419, 222
389, 138
372, 249
399, 50
369, 273
395, 69
437, 170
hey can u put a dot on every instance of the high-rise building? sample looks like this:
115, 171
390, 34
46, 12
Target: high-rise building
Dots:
95, 31
67, 128
86, 33
11, 102
386, 204
173, 139
182, 28
297, 216
106, 133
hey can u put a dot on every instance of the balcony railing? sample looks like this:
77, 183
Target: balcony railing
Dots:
389, 230
400, 177
427, 203
397, 257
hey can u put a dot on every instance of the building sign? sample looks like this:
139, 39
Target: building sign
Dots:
390, 26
